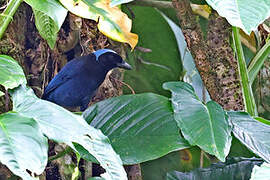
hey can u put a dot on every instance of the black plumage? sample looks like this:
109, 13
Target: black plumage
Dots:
78, 80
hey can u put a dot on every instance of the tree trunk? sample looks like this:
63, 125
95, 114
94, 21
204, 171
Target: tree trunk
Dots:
213, 57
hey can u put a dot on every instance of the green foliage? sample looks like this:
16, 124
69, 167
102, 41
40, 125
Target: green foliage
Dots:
261, 173
47, 27
184, 160
51, 8
11, 74
57, 124
61, 125
192, 75
49, 17
7, 14
246, 14
162, 63
249, 101
233, 169
141, 127
23, 146
258, 61
200, 2
118, 2
204, 125
251, 133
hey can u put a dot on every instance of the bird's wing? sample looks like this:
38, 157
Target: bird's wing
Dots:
67, 72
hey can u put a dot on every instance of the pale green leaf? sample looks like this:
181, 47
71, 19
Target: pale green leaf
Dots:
22, 145
261, 173
11, 73
63, 126
246, 14
252, 133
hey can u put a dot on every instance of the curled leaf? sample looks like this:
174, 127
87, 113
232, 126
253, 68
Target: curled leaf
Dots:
111, 20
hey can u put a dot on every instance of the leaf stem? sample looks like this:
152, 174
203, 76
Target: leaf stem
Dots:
7, 15
249, 101
153, 3
257, 62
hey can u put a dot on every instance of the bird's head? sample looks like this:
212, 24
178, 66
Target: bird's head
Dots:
110, 59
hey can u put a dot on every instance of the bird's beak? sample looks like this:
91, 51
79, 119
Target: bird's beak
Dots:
124, 65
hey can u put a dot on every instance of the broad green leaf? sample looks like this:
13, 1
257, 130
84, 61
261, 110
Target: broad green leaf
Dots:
118, 2
111, 20
252, 133
22, 145
246, 14
63, 126
162, 64
141, 127
51, 8
204, 125
192, 75
46, 26
11, 73
232, 169
261, 173
1, 93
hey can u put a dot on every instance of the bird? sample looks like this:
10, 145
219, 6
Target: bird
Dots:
77, 82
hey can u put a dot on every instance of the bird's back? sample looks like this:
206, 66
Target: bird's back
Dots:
76, 83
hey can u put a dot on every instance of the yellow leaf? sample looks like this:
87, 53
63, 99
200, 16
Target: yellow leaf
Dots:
111, 20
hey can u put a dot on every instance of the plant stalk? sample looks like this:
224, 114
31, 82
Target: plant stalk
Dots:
249, 101
7, 15
258, 61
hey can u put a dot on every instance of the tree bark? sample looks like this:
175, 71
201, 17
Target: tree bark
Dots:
213, 57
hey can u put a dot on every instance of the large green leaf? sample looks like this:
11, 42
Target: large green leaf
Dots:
22, 145
251, 133
151, 69
47, 27
204, 125
246, 14
51, 8
11, 73
260, 173
63, 126
141, 127
232, 169
1, 93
